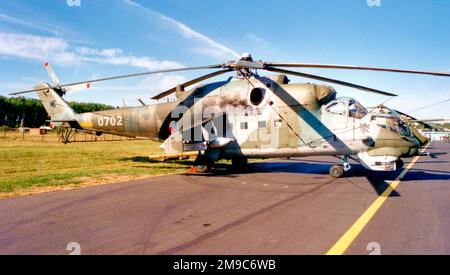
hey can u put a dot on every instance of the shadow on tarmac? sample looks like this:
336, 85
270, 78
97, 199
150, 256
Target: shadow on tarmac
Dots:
379, 180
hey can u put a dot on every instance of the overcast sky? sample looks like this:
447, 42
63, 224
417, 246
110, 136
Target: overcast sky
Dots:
107, 37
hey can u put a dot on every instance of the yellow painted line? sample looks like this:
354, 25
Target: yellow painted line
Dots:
347, 239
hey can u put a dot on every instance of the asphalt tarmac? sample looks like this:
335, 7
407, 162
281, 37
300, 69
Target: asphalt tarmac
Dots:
279, 207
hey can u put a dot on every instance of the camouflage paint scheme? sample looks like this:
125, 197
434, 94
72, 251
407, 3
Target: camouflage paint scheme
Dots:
288, 120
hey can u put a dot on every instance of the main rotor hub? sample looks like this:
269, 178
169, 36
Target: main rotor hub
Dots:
246, 57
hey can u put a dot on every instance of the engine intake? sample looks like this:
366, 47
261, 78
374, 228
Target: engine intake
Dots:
257, 96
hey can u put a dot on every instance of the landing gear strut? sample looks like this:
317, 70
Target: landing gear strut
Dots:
337, 171
66, 134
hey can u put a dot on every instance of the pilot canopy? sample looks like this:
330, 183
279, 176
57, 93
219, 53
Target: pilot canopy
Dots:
345, 106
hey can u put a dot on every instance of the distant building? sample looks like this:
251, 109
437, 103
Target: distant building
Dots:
23, 129
40, 131
35, 131
438, 135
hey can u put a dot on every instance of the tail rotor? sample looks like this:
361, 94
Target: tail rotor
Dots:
66, 89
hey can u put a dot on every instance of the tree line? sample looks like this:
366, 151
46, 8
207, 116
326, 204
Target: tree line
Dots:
15, 109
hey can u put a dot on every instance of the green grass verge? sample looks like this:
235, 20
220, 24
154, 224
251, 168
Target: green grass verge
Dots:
31, 163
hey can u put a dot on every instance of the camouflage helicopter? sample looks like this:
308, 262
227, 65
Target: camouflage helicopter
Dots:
251, 116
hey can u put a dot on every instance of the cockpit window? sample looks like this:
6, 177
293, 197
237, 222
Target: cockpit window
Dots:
346, 106
337, 108
356, 110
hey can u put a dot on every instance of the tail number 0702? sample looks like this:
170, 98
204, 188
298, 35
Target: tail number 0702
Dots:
109, 121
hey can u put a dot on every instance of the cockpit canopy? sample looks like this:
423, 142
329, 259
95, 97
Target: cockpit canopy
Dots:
389, 119
346, 106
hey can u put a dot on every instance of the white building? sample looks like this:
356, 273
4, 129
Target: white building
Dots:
437, 135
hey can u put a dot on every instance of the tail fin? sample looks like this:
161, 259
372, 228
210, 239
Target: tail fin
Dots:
56, 107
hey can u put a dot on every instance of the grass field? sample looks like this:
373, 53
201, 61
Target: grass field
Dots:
35, 164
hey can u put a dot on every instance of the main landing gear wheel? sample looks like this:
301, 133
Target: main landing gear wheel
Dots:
399, 164
202, 164
239, 164
336, 171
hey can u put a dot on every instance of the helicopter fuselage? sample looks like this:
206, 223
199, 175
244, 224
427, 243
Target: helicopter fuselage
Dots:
261, 117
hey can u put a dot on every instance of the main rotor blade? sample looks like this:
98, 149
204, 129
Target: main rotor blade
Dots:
355, 86
191, 82
430, 105
351, 67
123, 76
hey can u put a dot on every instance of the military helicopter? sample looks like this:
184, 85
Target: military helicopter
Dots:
251, 116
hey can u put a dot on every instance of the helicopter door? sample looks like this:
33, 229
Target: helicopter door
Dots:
286, 128
264, 134
280, 132
294, 128
356, 112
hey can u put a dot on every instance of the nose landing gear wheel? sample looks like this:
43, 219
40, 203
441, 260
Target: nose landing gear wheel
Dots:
202, 164
336, 171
